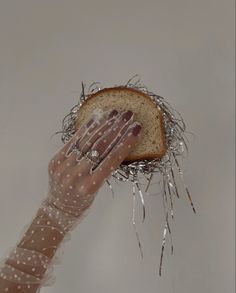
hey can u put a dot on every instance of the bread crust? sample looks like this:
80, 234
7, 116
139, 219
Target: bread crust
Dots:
149, 100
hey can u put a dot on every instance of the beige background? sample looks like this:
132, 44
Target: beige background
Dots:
182, 49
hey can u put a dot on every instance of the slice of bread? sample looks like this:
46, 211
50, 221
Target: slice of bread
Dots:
152, 136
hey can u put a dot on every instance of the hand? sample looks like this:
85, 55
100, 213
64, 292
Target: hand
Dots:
73, 182
74, 179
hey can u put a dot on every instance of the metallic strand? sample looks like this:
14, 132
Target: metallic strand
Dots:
177, 146
133, 222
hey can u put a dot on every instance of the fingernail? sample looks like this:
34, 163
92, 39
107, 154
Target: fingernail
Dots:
136, 130
113, 113
127, 115
90, 122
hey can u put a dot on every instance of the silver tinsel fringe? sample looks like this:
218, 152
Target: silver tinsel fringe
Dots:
168, 166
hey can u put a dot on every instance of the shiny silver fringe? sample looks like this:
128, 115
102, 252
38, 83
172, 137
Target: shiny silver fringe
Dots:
168, 166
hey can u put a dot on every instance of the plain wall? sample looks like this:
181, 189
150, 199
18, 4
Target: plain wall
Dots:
184, 50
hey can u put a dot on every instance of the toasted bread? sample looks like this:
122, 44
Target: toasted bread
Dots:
151, 143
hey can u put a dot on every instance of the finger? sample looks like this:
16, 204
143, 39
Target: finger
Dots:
65, 152
105, 143
60, 156
117, 154
94, 134
84, 165
114, 134
96, 130
96, 118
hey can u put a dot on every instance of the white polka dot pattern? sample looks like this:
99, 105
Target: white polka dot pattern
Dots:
72, 189
22, 280
36, 269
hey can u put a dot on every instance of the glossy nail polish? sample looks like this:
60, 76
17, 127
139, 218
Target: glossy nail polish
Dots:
136, 130
113, 113
127, 115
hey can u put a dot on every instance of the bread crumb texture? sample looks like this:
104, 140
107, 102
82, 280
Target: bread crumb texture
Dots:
151, 142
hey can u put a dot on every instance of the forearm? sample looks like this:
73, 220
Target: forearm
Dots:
34, 252
74, 180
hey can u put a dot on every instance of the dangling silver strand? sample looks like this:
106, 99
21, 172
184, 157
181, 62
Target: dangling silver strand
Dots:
176, 145
134, 224
110, 186
149, 181
187, 191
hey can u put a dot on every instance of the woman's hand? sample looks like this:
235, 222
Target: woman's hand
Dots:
74, 179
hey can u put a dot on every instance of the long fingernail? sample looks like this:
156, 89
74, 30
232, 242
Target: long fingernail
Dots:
113, 113
90, 122
136, 129
127, 115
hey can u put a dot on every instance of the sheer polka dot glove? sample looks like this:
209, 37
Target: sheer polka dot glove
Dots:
74, 177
